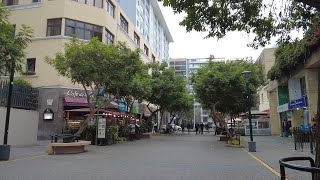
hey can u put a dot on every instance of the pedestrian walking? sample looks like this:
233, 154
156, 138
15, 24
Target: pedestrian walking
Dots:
207, 127
182, 127
189, 127
155, 127
197, 128
201, 127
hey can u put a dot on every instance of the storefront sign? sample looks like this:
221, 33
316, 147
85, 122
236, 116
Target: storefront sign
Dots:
75, 93
283, 108
102, 128
298, 103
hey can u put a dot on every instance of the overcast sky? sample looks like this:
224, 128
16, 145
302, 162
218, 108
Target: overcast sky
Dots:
193, 44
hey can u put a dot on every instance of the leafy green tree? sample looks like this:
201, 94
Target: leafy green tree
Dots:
12, 43
167, 89
265, 19
93, 65
221, 87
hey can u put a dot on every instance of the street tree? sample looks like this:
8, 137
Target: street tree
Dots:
12, 43
95, 65
221, 87
264, 19
167, 89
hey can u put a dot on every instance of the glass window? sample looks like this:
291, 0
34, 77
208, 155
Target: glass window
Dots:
98, 3
263, 125
10, 2
83, 30
31, 65
110, 8
53, 27
136, 38
124, 23
109, 37
146, 50
90, 2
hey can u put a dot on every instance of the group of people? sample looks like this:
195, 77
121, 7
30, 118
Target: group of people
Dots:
200, 127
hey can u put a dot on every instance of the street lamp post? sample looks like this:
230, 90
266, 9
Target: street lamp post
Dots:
5, 148
251, 143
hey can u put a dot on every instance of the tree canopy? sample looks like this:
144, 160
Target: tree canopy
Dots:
12, 43
221, 87
264, 19
96, 65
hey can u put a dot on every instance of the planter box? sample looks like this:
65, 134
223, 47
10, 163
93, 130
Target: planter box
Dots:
145, 135
224, 138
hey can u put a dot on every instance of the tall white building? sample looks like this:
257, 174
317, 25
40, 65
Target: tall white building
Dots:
148, 19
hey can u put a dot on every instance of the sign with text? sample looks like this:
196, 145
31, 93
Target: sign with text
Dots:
298, 103
102, 128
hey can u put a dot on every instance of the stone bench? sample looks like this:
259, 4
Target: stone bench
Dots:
67, 148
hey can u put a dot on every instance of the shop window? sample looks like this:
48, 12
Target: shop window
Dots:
54, 27
263, 125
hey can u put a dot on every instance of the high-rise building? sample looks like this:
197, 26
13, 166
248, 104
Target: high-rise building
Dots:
185, 67
150, 23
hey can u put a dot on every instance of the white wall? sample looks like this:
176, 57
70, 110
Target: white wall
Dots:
23, 127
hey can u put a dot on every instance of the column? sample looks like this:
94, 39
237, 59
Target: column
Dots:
274, 115
311, 76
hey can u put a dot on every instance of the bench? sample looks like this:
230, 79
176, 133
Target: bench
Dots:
67, 148
223, 137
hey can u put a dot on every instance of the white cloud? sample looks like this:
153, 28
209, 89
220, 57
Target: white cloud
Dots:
193, 44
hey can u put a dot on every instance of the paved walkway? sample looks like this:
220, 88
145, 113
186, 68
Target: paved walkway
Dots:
270, 149
170, 157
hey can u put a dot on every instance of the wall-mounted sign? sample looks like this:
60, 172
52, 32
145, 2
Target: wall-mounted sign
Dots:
302, 102
48, 114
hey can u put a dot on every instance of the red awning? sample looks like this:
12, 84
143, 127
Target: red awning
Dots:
75, 101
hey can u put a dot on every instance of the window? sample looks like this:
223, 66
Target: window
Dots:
83, 30
153, 58
136, 38
124, 23
96, 3
110, 8
31, 66
146, 50
10, 2
109, 37
34, 1
53, 27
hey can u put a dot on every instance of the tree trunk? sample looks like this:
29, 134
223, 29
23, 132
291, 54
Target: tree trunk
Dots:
220, 119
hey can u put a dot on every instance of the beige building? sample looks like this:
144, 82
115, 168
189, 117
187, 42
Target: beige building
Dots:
54, 22
295, 98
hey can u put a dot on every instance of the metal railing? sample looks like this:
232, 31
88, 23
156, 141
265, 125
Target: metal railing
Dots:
284, 164
304, 138
22, 97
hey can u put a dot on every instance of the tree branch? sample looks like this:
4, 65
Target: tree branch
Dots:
312, 3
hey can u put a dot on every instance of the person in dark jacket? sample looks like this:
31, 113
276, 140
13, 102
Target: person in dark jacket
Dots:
189, 127
197, 128
201, 127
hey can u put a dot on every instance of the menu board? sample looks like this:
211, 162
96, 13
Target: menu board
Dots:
102, 128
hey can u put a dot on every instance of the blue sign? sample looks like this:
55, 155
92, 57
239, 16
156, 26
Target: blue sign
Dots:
122, 106
303, 102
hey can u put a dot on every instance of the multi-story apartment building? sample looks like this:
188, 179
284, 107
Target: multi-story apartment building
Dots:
53, 22
150, 23
185, 67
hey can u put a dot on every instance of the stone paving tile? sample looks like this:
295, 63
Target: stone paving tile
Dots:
170, 157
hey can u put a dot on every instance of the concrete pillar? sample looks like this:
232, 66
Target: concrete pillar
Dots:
274, 115
311, 76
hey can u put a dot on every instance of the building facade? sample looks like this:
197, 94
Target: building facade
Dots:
150, 23
295, 98
53, 23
